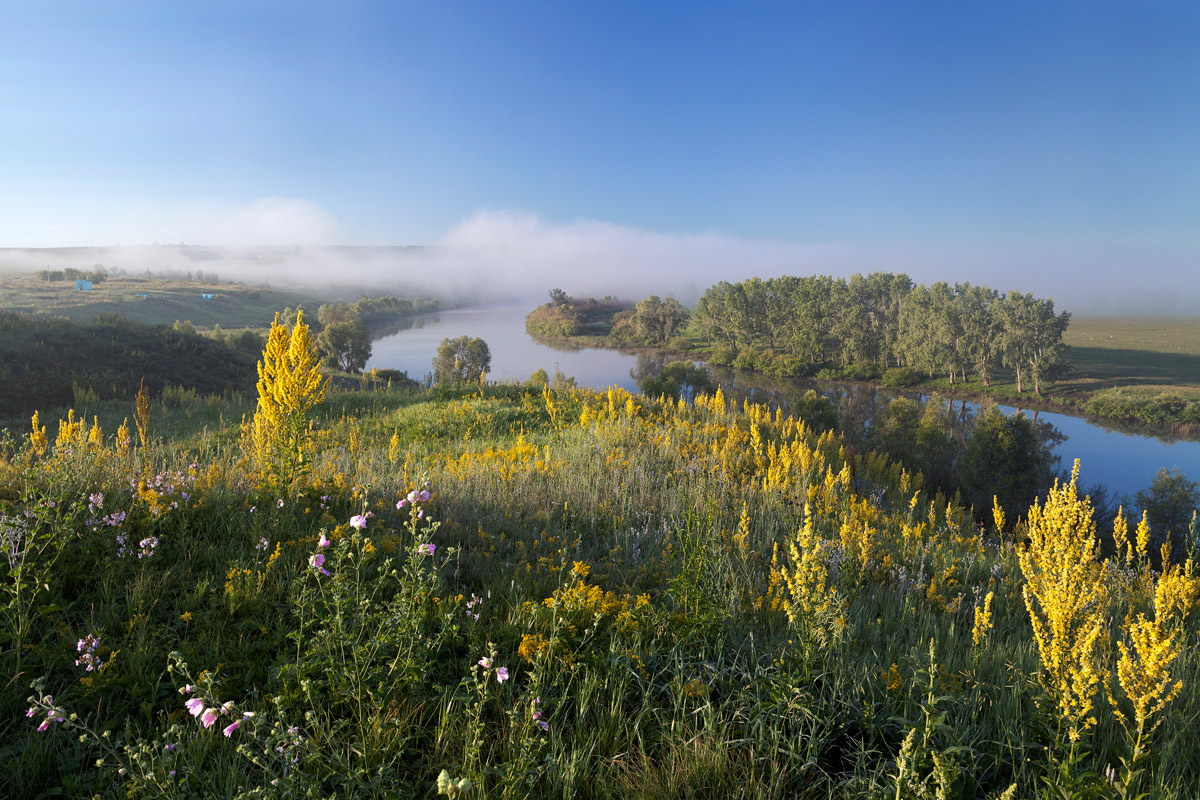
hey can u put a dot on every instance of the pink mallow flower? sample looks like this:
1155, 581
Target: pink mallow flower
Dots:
358, 521
323, 541
230, 728
424, 496
316, 561
485, 662
195, 706
209, 717
501, 674
427, 549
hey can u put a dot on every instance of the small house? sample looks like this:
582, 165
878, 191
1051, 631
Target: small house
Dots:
83, 286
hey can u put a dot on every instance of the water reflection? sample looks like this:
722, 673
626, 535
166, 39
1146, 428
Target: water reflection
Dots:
1124, 461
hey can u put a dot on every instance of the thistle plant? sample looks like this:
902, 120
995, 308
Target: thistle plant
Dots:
290, 385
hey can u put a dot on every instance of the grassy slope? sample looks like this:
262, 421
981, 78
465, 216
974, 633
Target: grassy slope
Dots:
44, 359
703, 690
235, 306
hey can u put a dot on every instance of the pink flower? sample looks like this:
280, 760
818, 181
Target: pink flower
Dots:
316, 561
414, 496
424, 496
501, 674
323, 541
195, 706
485, 662
427, 549
230, 728
209, 717
188, 689
358, 521
401, 504
541, 723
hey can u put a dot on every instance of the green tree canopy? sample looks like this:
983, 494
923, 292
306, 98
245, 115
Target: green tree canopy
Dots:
1170, 503
345, 344
461, 359
1005, 459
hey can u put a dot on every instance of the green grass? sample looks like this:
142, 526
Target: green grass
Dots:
235, 306
1113, 352
624, 570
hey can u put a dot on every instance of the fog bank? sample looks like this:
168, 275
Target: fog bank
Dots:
504, 255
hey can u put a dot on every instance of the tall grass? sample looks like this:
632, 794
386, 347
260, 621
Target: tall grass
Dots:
603, 596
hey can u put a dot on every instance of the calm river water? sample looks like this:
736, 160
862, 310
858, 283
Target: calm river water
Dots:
1123, 462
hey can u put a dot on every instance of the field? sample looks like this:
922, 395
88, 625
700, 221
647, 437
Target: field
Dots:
1154, 353
151, 300
601, 595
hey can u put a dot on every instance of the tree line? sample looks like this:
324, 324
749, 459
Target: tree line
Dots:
791, 325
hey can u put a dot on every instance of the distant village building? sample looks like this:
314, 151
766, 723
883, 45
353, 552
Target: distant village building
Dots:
83, 286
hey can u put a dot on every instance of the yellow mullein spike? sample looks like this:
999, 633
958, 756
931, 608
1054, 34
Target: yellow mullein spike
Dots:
95, 435
983, 621
1066, 596
290, 385
123, 441
997, 514
1143, 537
142, 414
1121, 536
37, 439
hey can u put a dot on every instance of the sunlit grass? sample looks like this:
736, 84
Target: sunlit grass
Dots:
687, 600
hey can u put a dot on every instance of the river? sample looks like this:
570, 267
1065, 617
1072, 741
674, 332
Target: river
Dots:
1124, 462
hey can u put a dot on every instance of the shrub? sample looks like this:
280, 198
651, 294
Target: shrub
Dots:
902, 377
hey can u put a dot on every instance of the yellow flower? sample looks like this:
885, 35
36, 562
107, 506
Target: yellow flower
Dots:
983, 621
1066, 598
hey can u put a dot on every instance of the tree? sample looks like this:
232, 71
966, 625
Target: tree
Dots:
345, 344
559, 298
980, 326
1006, 459
461, 359
1032, 338
656, 320
1169, 503
679, 377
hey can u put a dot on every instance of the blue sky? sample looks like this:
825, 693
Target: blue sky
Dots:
1047, 147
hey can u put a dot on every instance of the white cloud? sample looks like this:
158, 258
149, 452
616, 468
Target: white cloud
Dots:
268, 221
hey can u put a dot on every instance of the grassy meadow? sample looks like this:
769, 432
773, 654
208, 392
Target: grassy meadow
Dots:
505, 592
156, 301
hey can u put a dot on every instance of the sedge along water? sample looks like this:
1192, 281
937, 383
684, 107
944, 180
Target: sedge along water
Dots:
1123, 462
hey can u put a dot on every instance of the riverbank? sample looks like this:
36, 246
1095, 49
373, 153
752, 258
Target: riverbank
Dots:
1149, 385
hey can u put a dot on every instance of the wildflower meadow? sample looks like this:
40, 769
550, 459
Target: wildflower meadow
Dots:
501, 591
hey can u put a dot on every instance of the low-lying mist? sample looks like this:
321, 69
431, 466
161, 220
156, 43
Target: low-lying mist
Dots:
505, 256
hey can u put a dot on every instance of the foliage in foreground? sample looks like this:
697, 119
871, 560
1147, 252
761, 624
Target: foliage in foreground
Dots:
499, 592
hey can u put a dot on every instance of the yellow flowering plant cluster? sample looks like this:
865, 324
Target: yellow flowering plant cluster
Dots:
290, 386
1066, 597
814, 606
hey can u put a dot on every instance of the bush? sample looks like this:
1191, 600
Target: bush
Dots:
551, 321
723, 356
901, 378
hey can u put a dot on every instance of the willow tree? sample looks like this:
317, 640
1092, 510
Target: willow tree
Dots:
290, 385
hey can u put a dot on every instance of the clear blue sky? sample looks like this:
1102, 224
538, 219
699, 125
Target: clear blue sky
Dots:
987, 134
